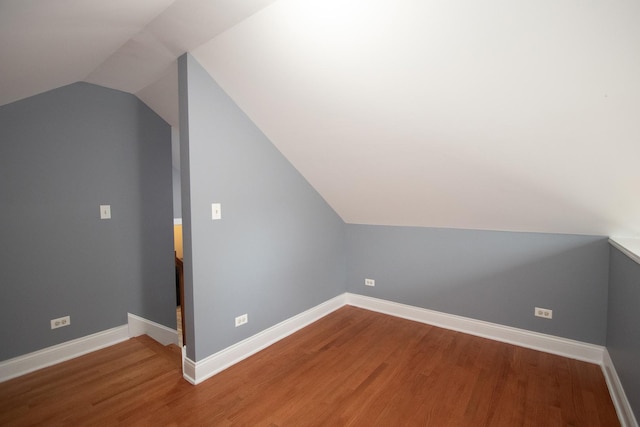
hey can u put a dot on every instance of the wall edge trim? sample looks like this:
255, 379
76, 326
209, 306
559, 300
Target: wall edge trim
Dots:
49, 356
618, 396
141, 326
625, 250
197, 372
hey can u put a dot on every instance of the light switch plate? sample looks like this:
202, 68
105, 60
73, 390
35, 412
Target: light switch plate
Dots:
216, 212
105, 211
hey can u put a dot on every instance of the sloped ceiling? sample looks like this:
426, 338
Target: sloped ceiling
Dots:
497, 115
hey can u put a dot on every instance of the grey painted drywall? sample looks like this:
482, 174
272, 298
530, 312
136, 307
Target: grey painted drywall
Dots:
175, 161
623, 324
278, 249
487, 275
62, 154
177, 202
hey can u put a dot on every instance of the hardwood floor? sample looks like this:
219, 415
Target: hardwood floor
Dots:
353, 367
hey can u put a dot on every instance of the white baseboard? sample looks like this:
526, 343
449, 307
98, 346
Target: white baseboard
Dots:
49, 356
140, 326
196, 372
620, 401
59, 353
523, 338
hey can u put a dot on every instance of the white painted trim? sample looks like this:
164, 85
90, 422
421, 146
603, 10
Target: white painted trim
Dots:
177, 221
140, 326
189, 371
629, 247
523, 338
619, 397
30, 362
196, 372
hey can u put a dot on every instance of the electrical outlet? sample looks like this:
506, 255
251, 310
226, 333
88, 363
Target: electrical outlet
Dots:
60, 322
543, 312
369, 282
241, 320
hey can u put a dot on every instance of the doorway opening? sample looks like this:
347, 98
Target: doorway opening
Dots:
177, 244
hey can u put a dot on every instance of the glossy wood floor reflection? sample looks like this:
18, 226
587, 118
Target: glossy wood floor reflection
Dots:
353, 367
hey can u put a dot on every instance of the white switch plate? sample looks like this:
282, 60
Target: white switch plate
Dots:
216, 211
369, 282
105, 211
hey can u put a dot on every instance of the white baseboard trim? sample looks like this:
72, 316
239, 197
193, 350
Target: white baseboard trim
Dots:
49, 356
520, 337
620, 401
196, 372
141, 326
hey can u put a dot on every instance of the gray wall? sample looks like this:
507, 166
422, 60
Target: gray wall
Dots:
175, 161
623, 324
278, 249
487, 275
62, 154
177, 202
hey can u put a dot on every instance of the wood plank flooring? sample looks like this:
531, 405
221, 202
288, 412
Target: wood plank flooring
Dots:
353, 367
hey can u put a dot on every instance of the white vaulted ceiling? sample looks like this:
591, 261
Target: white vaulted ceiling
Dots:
122, 44
496, 115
